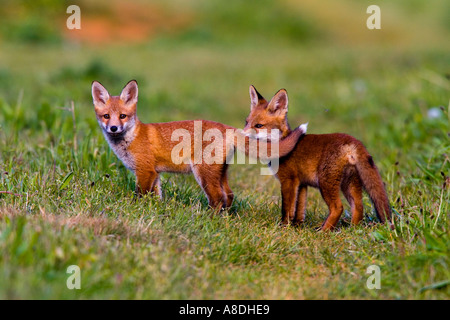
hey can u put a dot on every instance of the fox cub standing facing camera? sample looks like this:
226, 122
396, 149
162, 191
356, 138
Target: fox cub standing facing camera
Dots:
329, 162
146, 149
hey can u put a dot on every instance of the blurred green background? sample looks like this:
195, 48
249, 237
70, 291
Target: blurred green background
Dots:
315, 49
196, 59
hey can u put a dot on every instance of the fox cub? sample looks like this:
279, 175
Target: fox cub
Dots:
146, 149
329, 162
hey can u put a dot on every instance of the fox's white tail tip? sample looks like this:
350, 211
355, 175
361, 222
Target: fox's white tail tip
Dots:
303, 127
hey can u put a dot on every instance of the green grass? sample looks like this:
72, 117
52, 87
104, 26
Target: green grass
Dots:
70, 201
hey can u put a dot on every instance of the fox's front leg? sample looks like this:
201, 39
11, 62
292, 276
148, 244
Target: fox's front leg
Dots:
145, 182
301, 205
156, 188
289, 196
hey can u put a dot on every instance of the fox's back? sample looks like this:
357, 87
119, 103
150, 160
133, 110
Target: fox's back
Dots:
165, 130
155, 142
166, 135
315, 151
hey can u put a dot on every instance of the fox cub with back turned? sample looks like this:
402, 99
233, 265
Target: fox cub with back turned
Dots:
146, 149
329, 162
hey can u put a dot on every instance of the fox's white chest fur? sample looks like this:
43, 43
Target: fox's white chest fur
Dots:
120, 147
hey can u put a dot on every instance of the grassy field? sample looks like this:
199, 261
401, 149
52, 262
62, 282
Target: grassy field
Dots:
65, 199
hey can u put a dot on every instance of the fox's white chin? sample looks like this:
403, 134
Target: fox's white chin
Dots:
274, 137
264, 136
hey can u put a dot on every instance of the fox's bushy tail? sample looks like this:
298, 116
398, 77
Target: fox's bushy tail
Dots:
373, 185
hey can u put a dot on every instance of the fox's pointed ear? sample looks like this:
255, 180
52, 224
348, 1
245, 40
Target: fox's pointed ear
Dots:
129, 93
255, 97
99, 94
279, 103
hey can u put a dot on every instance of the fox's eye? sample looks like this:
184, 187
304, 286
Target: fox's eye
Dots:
106, 116
259, 125
123, 116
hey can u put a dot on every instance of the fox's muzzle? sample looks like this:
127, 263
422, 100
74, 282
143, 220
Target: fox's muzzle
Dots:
114, 130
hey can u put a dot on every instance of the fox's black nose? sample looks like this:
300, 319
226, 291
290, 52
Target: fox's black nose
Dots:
113, 129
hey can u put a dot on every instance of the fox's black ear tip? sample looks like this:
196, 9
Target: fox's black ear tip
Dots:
260, 97
133, 80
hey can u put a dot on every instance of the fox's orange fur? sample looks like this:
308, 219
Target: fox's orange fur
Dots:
146, 149
329, 162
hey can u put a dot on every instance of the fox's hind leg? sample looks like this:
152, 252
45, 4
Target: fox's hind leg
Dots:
351, 186
228, 193
209, 177
330, 193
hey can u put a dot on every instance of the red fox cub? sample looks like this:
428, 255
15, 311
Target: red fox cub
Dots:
329, 162
148, 149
